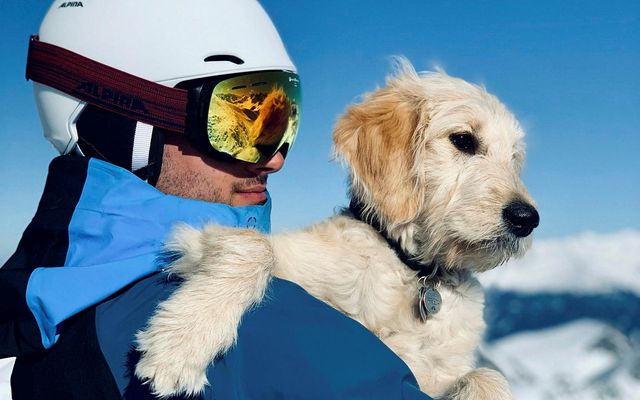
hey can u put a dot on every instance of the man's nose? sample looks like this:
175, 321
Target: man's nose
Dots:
268, 166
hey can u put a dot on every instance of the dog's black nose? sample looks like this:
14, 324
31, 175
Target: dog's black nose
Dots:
521, 218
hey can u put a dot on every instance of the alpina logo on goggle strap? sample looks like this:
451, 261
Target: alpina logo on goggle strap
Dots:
103, 94
246, 116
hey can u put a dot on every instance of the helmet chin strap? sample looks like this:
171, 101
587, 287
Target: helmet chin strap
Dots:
121, 141
141, 146
146, 155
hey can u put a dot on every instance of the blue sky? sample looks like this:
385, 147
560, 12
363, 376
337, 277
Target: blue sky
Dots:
568, 70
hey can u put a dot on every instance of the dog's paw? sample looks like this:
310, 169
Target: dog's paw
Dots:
170, 372
217, 251
226, 271
480, 384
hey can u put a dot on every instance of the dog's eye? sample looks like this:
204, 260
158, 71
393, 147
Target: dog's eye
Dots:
464, 142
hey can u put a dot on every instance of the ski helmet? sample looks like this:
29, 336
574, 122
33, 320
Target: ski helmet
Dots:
162, 41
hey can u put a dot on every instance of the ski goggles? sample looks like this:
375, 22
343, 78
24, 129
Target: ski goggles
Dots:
248, 116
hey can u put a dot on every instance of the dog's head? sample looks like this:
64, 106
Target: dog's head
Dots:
437, 162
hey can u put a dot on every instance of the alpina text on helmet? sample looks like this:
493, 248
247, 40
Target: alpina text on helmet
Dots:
71, 4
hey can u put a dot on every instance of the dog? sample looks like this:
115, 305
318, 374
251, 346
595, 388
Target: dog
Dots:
434, 165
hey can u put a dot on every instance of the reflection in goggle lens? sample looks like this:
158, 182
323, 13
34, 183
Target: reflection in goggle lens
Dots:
252, 116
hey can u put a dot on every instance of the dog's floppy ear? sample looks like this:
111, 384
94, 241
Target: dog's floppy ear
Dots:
376, 139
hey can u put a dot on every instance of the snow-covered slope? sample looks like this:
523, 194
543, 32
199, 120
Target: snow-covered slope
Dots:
585, 360
564, 321
5, 372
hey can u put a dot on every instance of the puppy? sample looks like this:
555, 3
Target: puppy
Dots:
436, 194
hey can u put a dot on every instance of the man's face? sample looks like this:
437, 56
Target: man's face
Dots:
188, 173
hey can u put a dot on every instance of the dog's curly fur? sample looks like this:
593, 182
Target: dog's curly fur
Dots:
442, 205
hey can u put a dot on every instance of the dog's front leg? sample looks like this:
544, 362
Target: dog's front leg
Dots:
226, 271
480, 384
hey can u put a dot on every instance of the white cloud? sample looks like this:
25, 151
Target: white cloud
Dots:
589, 262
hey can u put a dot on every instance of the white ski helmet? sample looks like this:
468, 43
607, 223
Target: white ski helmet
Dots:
164, 41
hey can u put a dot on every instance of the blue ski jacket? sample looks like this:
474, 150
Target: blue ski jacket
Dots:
85, 278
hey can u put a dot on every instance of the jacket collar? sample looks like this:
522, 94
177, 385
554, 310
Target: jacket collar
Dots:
116, 234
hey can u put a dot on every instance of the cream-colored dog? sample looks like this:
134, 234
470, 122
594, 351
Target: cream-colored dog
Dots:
436, 196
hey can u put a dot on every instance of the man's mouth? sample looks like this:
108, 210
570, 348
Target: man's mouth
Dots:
253, 193
252, 189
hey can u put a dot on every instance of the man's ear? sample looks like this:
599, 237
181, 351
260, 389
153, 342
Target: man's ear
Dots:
376, 139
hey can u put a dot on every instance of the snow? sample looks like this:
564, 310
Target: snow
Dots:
6, 365
586, 263
580, 360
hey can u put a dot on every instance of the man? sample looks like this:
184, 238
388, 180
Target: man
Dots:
200, 100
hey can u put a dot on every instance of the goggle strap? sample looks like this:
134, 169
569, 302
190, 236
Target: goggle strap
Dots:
106, 87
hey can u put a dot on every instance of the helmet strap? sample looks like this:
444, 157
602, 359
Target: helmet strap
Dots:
141, 146
106, 87
121, 141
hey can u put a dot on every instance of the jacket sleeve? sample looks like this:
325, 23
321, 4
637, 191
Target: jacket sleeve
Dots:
19, 333
296, 346
44, 243
291, 346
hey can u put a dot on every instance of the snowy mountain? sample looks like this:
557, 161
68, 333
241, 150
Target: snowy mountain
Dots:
581, 360
564, 321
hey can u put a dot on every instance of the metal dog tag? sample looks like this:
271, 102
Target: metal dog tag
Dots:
430, 301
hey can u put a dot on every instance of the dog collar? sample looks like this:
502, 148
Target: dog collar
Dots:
429, 271
429, 274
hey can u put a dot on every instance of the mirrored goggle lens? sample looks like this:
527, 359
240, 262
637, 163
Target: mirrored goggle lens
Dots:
253, 116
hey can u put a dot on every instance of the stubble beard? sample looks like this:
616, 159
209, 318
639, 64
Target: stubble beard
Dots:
191, 186
176, 181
